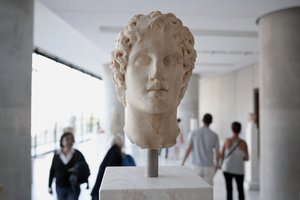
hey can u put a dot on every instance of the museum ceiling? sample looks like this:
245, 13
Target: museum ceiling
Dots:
226, 32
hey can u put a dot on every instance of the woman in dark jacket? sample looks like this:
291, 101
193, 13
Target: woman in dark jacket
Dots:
62, 165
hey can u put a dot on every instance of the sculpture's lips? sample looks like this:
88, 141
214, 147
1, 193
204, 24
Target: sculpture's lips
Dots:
158, 90
157, 87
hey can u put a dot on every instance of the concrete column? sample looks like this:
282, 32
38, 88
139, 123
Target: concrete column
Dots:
188, 107
279, 44
16, 44
252, 166
113, 110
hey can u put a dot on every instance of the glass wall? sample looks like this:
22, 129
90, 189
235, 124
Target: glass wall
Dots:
62, 98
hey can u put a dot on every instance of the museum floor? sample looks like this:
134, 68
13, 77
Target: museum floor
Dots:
94, 150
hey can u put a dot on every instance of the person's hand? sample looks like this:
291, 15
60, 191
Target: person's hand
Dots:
50, 190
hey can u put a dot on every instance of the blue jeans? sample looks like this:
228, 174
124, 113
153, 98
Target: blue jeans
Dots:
67, 193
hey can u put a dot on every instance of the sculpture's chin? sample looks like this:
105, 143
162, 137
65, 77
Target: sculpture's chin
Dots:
151, 142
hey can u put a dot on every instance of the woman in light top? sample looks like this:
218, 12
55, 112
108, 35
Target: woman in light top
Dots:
234, 153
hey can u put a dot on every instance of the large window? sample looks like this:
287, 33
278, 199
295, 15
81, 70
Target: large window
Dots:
62, 97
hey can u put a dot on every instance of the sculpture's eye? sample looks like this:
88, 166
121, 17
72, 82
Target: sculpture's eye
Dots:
143, 60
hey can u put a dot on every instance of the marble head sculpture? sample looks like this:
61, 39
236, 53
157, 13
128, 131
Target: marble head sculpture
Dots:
151, 66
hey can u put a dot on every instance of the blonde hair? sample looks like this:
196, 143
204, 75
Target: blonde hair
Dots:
117, 139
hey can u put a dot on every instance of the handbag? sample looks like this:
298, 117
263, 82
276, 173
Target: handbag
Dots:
229, 153
80, 174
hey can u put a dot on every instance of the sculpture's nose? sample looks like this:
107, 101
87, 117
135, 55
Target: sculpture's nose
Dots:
157, 71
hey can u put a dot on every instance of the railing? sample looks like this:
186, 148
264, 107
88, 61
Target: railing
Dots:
48, 140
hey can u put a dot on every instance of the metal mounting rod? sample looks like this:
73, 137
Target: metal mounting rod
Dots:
151, 162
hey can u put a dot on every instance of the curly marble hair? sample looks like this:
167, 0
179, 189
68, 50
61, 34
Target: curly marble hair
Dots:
134, 31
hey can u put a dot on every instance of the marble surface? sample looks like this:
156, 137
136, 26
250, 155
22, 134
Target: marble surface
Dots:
151, 66
173, 183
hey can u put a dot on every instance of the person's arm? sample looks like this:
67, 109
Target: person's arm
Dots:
187, 153
245, 149
217, 153
222, 152
227, 144
51, 175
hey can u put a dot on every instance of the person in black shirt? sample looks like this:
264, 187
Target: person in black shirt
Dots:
114, 157
61, 168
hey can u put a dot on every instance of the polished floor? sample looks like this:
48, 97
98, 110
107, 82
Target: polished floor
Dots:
94, 151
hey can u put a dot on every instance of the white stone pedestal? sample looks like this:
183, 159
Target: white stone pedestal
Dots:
173, 183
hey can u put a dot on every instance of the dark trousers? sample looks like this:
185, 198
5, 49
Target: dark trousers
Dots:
67, 193
239, 182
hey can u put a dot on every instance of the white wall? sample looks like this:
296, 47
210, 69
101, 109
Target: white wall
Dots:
228, 98
55, 36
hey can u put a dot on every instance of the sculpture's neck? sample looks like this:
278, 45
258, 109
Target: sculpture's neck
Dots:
151, 131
